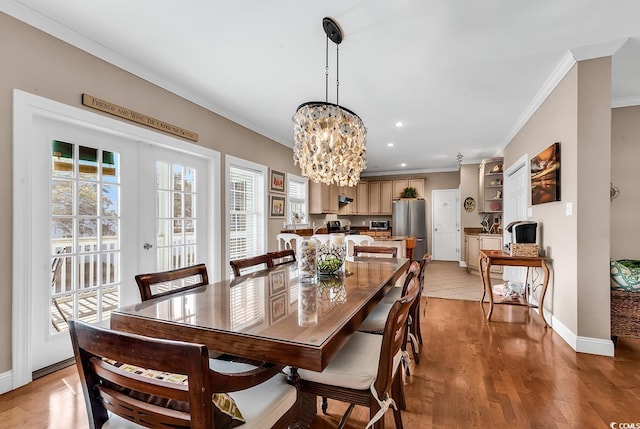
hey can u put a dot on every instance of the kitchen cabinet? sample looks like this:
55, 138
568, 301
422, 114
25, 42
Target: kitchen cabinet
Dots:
490, 186
475, 242
374, 197
323, 198
399, 185
386, 197
419, 185
349, 192
362, 198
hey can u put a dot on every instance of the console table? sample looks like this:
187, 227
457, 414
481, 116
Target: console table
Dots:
487, 258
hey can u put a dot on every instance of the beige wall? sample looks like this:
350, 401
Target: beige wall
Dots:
469, 182
576, 114
625, 153
40, 64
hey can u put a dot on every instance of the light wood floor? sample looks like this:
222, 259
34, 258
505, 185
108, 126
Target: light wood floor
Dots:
508, 373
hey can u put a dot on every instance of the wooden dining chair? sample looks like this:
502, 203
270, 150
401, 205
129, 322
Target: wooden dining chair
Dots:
153, 285
350, 241
281, 257
366, 369
374, 323
366, 250
160, 383
253, 261
288, 240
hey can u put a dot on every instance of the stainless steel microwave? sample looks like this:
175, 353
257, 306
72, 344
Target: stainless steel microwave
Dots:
379, 224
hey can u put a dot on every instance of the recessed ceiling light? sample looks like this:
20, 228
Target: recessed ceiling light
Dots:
403, 165
399, 124
390, 144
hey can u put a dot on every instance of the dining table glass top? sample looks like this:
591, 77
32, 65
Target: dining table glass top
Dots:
274, 304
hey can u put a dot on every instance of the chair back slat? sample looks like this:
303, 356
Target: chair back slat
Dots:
240, 264
387, 250
281, 257
153, 285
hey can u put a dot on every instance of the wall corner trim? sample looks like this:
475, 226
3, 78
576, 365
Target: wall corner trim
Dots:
6, 382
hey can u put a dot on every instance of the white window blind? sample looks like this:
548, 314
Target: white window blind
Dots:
246, 212
296, 199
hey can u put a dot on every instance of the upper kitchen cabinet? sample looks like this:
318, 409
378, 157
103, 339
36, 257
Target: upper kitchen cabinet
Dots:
323, 198
348, 207
362, 198
380, 197
490, 186
399, 185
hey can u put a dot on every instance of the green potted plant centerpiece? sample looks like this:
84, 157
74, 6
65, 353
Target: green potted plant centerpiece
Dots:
409, 192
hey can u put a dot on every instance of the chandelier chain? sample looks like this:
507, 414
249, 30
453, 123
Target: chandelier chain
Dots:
337, 74
326, 72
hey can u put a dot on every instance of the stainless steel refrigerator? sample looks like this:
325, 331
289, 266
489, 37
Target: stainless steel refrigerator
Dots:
409, 218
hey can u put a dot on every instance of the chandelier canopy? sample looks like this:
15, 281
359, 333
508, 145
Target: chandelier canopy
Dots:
329, 139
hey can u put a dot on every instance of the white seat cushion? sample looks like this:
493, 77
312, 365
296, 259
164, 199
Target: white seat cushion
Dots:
376, 320
261, 406
392, 296
355, 366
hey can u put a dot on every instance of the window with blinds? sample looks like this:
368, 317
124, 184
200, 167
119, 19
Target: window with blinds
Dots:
246, 213
296, 199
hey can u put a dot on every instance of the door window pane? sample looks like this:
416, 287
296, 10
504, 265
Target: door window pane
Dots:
84, 234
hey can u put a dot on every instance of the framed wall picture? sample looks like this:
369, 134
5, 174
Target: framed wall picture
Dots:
545, 175
276, 206
276, 181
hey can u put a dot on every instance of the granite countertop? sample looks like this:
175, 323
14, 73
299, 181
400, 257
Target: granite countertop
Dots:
480, 231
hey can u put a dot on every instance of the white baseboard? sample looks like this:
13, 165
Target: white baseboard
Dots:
6, 382
594, 346
463, 264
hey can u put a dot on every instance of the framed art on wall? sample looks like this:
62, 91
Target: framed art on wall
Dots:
545, 175
276, 206
276, 181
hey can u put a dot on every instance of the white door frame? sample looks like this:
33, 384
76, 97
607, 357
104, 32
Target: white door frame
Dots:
25, 107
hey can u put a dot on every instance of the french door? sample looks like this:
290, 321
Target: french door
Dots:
173, 209
111, 207
84, 203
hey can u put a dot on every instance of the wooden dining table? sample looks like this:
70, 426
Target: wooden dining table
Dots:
270, 315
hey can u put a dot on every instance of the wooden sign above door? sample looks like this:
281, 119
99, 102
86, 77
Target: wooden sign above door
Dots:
122, 112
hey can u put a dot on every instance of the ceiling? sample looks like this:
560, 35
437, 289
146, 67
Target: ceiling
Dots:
462, 75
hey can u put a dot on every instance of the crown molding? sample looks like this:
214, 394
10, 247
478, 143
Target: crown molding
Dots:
625, 102
55, 29
569, 59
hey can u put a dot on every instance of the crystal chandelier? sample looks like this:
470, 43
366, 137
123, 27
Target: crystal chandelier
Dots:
329, 139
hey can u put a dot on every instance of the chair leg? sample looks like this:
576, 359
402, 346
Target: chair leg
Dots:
345, 416
325, 405
397, 418
397, 393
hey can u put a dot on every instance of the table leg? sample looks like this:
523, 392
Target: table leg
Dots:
545, 268
487, 275
484, 285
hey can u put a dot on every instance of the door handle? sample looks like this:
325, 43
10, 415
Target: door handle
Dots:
147, 246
